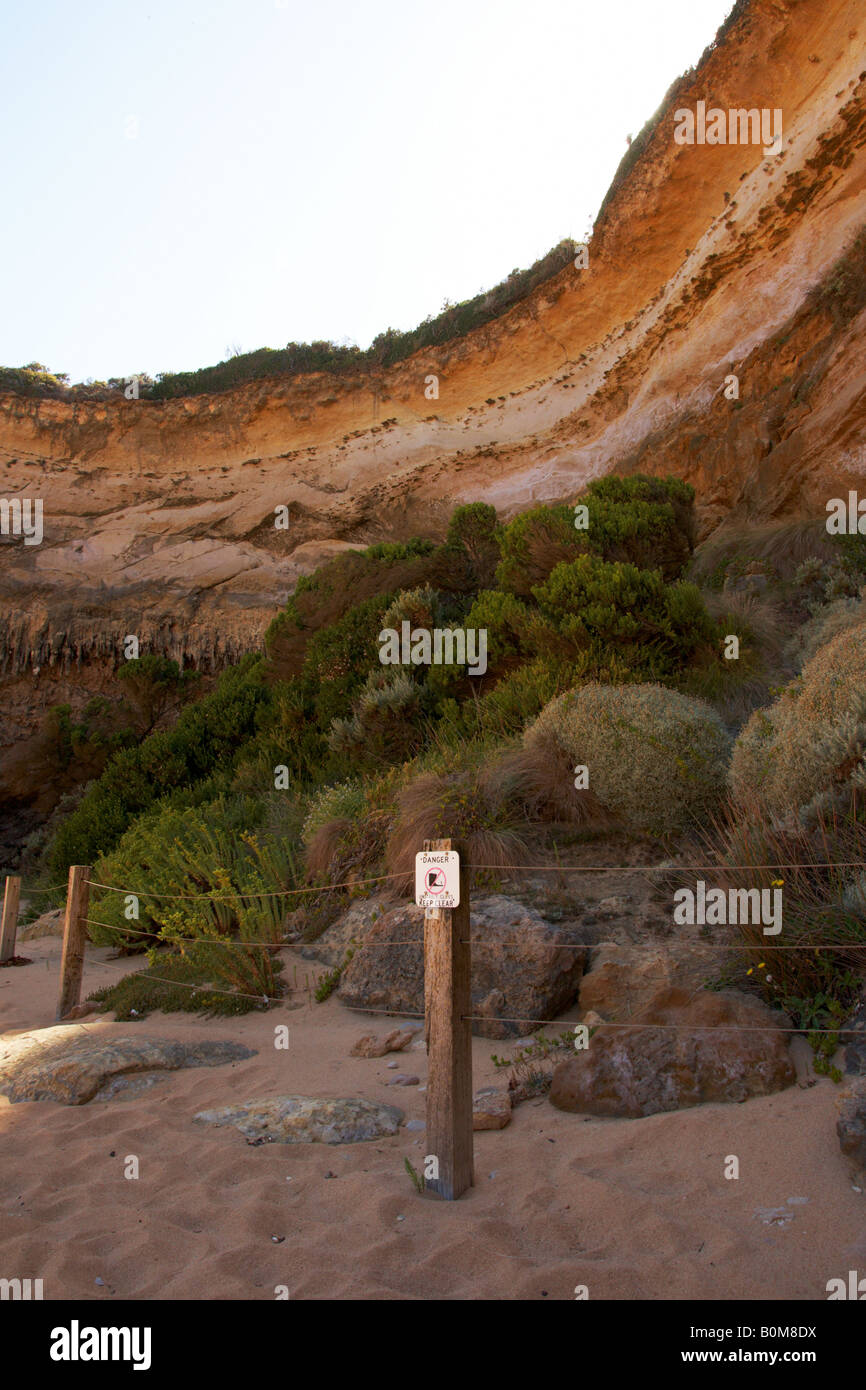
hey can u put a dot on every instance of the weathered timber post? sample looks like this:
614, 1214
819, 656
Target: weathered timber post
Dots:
447, 998
74, 935
10, 919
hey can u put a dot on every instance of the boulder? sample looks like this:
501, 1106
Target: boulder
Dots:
491, 1109
304, 1120
851, 1130
623, 979
48, 924
524, 967
701, 1051
332, 947
62, 1064
371, 1046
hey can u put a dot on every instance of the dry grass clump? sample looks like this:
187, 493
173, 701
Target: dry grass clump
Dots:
823, 904
475, 806
657, 759
782, 547
809, 747
344, 833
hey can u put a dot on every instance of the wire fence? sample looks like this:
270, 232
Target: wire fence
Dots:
229, 896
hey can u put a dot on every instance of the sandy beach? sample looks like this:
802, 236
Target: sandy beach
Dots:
633, 1209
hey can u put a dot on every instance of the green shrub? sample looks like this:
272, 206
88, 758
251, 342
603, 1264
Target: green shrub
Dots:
287, 735
341, 656
605, 609
472, 545
420, 607
155, 686
342, 801
656, 759
515, 699
385, 724
213, 854
206, 738
346, 581
532, 545
827, 623
643, 521
512, 629
177, 984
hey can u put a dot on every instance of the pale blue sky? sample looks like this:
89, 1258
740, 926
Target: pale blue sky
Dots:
183, 176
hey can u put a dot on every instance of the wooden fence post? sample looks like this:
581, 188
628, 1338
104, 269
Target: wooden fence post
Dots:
10, 919
447, 1000
74, 935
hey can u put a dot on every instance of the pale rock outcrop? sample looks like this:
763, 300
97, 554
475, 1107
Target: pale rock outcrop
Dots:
304, 1120
65, 1065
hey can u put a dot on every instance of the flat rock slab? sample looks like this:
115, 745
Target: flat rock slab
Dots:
304, 1120
65, 1065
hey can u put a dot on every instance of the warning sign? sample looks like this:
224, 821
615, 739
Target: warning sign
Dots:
437, 878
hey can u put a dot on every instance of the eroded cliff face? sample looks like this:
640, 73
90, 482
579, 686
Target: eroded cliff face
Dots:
159, 517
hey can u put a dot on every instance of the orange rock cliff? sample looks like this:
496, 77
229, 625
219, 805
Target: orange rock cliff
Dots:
707, 261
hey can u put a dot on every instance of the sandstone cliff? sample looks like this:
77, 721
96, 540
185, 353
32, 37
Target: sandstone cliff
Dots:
707, 261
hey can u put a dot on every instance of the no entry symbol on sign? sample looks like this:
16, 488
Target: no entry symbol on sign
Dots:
437, 878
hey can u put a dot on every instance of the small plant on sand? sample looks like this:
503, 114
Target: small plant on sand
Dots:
825, 1011
417, 1180
328, 982
532, 1066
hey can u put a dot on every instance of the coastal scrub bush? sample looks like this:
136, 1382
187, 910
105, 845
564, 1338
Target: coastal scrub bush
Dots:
618, 609
385, 723
346, 581
826, 623
205, 738
808, 749
345, 830
508, 707
342, 801
641, 520
532, 544
340, 657
656, 759
213, 854
468, 559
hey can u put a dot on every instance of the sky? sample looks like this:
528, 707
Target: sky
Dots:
182, 179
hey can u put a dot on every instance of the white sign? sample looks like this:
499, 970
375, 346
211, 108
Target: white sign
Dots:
437, 878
